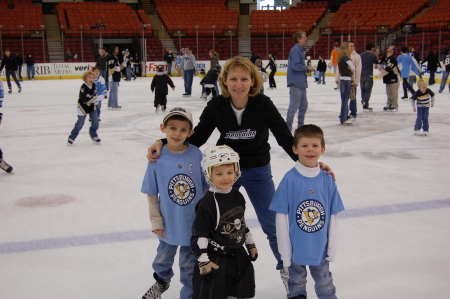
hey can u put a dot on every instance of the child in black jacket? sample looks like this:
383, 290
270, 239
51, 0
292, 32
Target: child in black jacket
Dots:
322, 68
210, 80
159, 86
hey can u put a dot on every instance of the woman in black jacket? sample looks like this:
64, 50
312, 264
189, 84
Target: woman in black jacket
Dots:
30, 67
432, 66
273, 70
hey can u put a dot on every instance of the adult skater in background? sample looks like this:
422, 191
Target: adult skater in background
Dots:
445, 73
432, 65
10, 64
273, 69
19, 60
168, 57
369, 61
188, 66
30, 67
296, 80
390, 77
114, 74
344, 77
333, 59
248, 134
406, 64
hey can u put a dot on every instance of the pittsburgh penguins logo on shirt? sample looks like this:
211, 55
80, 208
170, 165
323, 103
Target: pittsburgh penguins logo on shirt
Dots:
310, 216
182, 189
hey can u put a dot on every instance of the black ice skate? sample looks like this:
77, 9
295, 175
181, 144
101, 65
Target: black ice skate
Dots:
157, 289
5, 166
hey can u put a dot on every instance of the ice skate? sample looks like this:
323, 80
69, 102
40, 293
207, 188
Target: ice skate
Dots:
20, 89
5, 166
10, 91
348, 122
418, 133
425, 133
392, 109
205, 96
117, 108
70, 141
157, 109
96, 140
157, 289
386, 108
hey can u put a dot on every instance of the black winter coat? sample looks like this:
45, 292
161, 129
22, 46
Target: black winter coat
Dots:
9, 63
160, 82
433, 63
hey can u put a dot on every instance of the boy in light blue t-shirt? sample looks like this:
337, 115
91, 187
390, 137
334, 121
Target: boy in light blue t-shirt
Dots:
307, 202
173, 185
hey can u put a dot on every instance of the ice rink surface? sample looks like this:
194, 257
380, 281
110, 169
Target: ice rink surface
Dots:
74, 224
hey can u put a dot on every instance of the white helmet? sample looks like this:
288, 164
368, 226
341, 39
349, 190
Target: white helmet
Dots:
219, 155
308, 57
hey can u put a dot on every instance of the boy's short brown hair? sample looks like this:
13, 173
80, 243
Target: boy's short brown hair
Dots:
86, 74
308, 131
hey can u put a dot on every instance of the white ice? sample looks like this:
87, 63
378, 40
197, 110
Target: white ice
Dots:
394, 241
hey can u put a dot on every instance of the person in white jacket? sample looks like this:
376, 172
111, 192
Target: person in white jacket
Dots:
306, 204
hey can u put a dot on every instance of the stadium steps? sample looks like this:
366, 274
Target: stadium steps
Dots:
54, 42
315, 33
233, 5
244, 46
417, 15
147, 7
161, 33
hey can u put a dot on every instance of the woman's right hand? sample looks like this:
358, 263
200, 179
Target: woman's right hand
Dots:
154, 151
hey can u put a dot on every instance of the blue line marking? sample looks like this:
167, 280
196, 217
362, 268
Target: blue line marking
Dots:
145, 234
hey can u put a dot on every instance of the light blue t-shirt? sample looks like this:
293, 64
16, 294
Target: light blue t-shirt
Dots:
178, 180
309, 203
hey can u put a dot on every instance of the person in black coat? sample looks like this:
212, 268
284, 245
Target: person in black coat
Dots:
9, 62
19, 60
168, 57
159, 86
433, 63
322, 69
273, 70
30, 67
210, 80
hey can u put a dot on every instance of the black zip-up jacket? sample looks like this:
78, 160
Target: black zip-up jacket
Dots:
250, 139
433, 63
272, 65
102, 61
30, 61
211, 77
322, 66
9, 63
159, 84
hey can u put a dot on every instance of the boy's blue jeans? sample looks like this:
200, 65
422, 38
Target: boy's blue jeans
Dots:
163, 262
80, 122
422, 119
30, 72
322, 77
258, 184
297, 101
321, 274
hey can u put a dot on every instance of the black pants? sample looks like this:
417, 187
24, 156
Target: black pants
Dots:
19, 74
208, 91
9, 73
160, 99
406, 87
272, 79
431, 81
235, 277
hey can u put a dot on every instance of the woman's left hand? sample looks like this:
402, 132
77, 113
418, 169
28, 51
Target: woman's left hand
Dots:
328, 169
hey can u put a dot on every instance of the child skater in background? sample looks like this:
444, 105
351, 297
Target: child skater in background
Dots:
210, 80
178, 180
86, 105
101, 90
423, 99
219, 232
307, 202
322, 68
159, 86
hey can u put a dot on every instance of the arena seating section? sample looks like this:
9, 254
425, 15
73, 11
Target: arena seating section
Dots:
31, 17
197, 18
368, 14
120, 20
187, 14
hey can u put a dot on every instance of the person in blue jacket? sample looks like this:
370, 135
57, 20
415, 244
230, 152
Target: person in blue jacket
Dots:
406, 65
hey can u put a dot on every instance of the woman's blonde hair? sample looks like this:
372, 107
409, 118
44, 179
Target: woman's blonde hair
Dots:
86, 74
344, 51
248, 66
